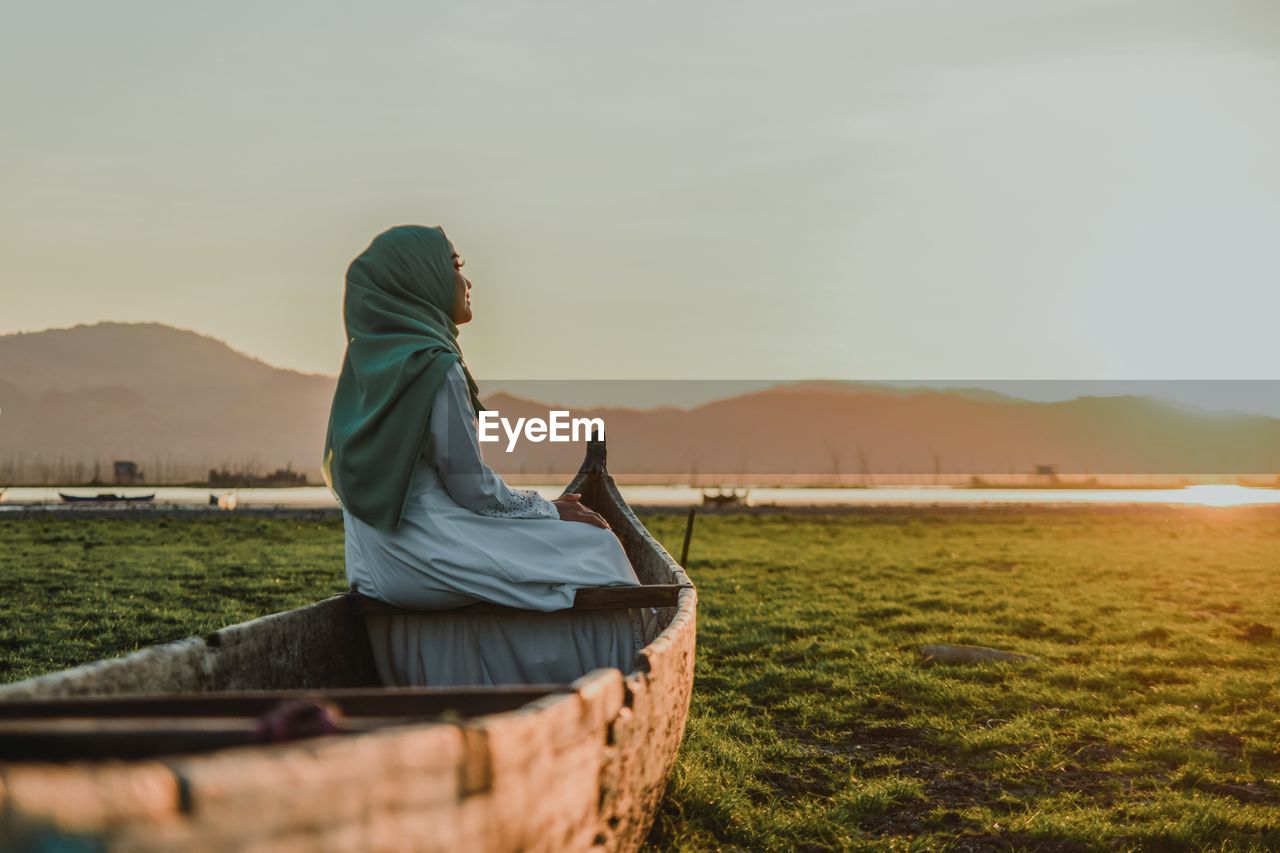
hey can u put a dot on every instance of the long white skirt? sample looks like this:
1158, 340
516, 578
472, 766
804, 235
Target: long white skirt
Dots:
445, 556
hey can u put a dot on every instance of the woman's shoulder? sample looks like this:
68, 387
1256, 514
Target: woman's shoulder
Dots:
455, 381
455, 373
454, 390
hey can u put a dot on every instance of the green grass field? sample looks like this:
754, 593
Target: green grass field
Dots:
1150, 719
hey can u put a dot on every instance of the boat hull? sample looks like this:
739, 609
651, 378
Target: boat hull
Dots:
106, 498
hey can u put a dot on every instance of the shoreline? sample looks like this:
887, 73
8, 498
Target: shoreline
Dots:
972, 510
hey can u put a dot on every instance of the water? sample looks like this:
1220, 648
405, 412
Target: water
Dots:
301, 497
307, 497
1209, 495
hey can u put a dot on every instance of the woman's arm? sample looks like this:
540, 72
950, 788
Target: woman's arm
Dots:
453, 448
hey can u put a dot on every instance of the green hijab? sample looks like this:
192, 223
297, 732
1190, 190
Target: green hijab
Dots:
401, 341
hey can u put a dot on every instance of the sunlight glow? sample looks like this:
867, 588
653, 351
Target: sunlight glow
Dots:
1228, 495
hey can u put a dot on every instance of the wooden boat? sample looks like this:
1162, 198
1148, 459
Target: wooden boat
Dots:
167, 748
723, 498
107, 498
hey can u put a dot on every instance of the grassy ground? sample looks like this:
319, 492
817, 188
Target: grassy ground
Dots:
75, 589
1151, 718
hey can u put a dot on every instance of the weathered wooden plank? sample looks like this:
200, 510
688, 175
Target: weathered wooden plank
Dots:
352, 702
623, 597
320, 785
85, 797
54, 740
61, 739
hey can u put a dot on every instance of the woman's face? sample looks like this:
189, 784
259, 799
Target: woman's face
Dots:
461, 289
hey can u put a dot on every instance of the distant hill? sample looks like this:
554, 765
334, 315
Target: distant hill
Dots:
175, 401
179, 403
846, 432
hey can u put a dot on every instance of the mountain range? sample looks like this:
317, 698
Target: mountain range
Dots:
180, 403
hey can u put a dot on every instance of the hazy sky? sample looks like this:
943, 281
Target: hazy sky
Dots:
846, 189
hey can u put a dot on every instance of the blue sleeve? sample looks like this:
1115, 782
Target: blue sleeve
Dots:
453, 449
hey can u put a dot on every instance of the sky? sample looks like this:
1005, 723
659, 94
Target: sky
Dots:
853, 189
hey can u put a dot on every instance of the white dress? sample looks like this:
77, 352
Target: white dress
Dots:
465, 536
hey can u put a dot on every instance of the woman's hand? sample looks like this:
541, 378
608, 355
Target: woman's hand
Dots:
571, 509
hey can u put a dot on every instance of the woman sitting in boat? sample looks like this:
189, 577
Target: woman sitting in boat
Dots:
429, 526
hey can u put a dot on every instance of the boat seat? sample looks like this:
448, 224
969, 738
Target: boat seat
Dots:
587, 598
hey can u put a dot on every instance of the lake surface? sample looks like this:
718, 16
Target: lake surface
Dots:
682, 496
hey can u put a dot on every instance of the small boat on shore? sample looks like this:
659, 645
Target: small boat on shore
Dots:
725, 497
107, 498
279, 734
